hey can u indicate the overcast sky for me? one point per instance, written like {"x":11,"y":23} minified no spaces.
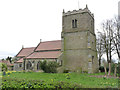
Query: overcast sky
{"x":25,"y":22}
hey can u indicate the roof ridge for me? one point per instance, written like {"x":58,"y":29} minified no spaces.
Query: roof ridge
{"x":28,"y":47}
{"x":25,"y":51}
{"x":44,"y":42}
{"x":51,"y":41}
{"x":36,"y":47}
{"x":19,"y":52}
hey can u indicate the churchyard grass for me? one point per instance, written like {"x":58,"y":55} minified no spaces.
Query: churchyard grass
{"x":53,"y":80}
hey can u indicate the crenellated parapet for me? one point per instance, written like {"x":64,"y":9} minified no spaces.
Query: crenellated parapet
{"x":80,"y":11}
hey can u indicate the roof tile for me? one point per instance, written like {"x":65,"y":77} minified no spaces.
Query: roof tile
{"x":45,"y":55}
{"x":19,"y":61}
{"x":49,"y":45}
{"x":25,"y":52}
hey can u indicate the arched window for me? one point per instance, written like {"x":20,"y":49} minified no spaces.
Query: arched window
{"x":29,"y":65}
{"x":38,"y":66}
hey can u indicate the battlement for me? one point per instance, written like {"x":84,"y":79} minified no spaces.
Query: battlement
{"x":78,"y":11}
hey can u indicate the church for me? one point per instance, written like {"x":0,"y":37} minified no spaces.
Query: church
{"x":76,"y":51}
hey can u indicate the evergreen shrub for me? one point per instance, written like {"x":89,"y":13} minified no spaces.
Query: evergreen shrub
{"x":49,"y":67}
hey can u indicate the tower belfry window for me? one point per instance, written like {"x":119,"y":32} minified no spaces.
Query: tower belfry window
{"x":74,"y":23}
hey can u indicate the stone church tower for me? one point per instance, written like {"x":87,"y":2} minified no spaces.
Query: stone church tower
{"x":79,"y":41}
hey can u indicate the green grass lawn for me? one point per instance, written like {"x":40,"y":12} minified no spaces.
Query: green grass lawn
{"x":84,"y":80}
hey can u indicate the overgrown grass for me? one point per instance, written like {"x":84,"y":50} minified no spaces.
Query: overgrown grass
{"x":82,"y":80}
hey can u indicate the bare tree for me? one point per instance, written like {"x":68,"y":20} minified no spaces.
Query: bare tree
{"x":115,"y":70}
{"x":108,"y":41}
{"x":105,"y":65}
{"x":9,"y":59}
{"x":116,"y":36}
{"x":99,"y":46}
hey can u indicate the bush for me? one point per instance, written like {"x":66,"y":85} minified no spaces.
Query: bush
{"x":50,"y":67}
{"x":101,"y":68}
{"x":4,"y":67}
{"x":43,"y":66}
{"x":85,"y":71}
{"x":32,"y":84}
{"x":113,"y":68}
{"x":66,"y":71}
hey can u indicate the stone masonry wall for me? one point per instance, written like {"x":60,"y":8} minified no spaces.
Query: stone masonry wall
{"x":79,"y":44}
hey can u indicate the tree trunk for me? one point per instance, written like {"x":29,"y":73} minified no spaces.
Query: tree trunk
{"x":118,"y":53}
{"x":109,"y":69}
{"x":115,"y":70}
{"x":99,"y":62}
{"x":105,"y":70}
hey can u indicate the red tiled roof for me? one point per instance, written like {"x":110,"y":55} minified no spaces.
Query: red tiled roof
{"x":19,"y":61}
{"x":25,"y":52}
{"x":46,"y":54}
{"x":10,"y":64}
{"x":49,"y":45}
{"x":6,"y":62}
